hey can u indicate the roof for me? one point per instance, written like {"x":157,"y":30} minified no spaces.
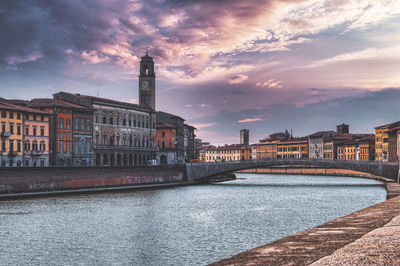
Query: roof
{"x":47,"y":102}
{"x":292,"y":140}
{"x":389,"y":126}
{"x":87,"y":100}
{"x":170,"y":115}
{"x":164,"y":125}
{"x":322,"y":134}
{"x":190,"y":126}
{"x":14,"y":107}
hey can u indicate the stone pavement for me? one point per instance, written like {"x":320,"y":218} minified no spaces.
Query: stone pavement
{"x":369,"y":236}
{"x":379,"y":247}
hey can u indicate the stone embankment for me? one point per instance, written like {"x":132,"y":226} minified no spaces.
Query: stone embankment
{"x":367,"y":237}
{"x":32,"y":180}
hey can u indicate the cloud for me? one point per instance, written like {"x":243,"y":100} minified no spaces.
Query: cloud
{"x":203,"y":125}
{"x":13,"y":60}
{"x":271,"y":83}
{"x":250,"y":120}
{"x":237,"y":79}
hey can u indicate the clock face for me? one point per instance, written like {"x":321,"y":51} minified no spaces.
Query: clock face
{"x":145,"y":84}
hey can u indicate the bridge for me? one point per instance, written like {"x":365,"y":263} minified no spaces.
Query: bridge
{"x":203,"y":171}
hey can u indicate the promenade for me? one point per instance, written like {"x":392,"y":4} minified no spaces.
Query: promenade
{"x":369,"y":236}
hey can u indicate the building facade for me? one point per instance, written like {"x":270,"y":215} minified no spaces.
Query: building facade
{"x":235,"y":152}
{"x":316,"y":143}
{"x":295,"y":148}
{"x":11,"y":120}
{"x":166,"y":144}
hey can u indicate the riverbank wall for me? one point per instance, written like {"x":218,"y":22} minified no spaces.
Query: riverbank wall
{"x":308,"y":171}
{"x":28,"y":180}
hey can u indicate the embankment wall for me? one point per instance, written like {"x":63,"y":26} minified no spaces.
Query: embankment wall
{"x":20,"y":180}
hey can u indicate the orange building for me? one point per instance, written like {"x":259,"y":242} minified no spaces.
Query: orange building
{"x":61,"y":145}
{"x":268,"y":148}
{"x":166,"y":143}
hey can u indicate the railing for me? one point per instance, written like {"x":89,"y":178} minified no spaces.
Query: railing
{"x":123,"y":147}
{"x":5,"y":134}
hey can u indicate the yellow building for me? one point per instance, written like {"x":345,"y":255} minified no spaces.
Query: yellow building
{"x":296,"y":148}
{"x":268,"y":148}
{"x":11,"y":120}
{"x":226,"y":153}
{"x":382,"y":144}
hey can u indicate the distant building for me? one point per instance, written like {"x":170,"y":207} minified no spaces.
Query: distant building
{"x":342,"y":129}
{"x":293,"y":148}
{"x":235,"y":152}
{"x":244,"y":136}
{"x":316,"y":143}
{"x":166,"y":144}
{"x":386,"y":142}
{"x":267,"y":148}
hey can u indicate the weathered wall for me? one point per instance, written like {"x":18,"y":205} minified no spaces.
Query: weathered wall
{"x":49,"y":179}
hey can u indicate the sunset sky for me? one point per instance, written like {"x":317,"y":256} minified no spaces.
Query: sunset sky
{"x":222,"y":65}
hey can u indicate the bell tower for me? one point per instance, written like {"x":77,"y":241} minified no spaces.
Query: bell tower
{"x":147,"y":83}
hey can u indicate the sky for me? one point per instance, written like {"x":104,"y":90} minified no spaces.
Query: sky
{"x":263,"y":65}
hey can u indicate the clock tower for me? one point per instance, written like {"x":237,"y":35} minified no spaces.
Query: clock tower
{"x":147,"y":83}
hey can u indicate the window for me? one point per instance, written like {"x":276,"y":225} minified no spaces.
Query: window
{"x":118,"y":139}
{"x":111,"y":140}
{"x":130,"y":122}
{"x":18,"y":129}
{"x":34,"y":117}
{"x":104,"y":139}
{"x":3,"y":114}
{"x":88,"y":125}
{"x":12,"y":128}
{"x":68,"y":146}
{"x":124,"y":122}
{"x":42,"y":117}
{"x":26,"y":130}
{"x":96,"y":119}
{"x":104,"y":120}
{"x":97,"y":138}
{"x":34,"y":145}
{"x":111,"y":120}
{"x":34,"y":130}
{"x":83,"y":146}
{"x":18,"y":116}
{"x":134,"y":122}
{"x":27,"y":145}
{"x":76,"y":146}
{"x":163,"y":134}
{"x":3,"y":145}
{"x":61,"y":146}
{"x":82,"y":124}
{"x":42,"y":131}
{"x":68,"y":123}
{"x":61,"y":123}
{"x":18,"y":146}
{"x":76,"y":123}
{"x":117,"y":121}
{"x":3,"y":127}
{"x":12,"y":115}
{"x":11,"y":145}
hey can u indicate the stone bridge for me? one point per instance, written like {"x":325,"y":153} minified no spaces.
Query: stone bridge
{"x":202,"y":171}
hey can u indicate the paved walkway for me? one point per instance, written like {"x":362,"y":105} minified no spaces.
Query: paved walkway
{"x":369,"y":236}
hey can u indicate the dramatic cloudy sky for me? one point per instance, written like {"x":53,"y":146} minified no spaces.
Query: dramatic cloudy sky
{"x":265,"y":65}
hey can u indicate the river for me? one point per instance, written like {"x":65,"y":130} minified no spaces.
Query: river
{"x":192,"y":225}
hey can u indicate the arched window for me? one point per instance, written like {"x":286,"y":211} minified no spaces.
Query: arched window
{"x":27,"y":145}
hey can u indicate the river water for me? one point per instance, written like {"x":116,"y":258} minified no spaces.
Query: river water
{"x":192,"y":225}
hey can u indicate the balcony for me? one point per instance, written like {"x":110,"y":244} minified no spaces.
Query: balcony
{"x":5,"y":134}
{"x":122,"y":148}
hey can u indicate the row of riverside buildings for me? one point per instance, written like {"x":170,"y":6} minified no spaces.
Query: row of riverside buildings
{"x":329,"y":145}
{"x":79,"y":130}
